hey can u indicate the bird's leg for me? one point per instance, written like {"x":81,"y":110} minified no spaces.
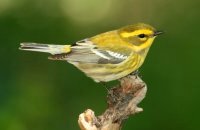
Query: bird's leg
{"x":136,"y":72}
{"x":105,"y":86}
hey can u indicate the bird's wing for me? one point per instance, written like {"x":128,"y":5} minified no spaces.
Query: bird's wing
{"x":86,"y":51}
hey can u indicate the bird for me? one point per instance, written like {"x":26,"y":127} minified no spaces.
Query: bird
{"x":107,"y":56}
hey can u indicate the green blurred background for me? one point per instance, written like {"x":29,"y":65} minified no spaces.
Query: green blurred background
{"x":39,"y":94}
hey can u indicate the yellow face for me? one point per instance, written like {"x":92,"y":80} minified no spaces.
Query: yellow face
{"x":141,"y":36}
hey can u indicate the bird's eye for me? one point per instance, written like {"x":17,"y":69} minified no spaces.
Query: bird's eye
{"x":141,"y":35}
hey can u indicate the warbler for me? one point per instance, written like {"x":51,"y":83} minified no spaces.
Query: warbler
{"x":107,"y":56}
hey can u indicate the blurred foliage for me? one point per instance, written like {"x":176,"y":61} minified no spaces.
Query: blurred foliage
{"x":38,"y":94}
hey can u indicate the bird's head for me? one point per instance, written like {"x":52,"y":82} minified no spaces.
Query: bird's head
{"x":140,"y":35}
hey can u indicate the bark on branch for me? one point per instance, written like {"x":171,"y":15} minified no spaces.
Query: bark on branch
{"x":122,"y":102}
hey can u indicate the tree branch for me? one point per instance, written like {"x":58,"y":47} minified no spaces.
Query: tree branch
{"x":122,"y":102}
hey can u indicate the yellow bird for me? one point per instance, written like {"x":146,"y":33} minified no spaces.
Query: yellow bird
{"x":107,"y":56}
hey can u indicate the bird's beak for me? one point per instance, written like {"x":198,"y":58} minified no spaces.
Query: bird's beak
{"x":156,"y":33}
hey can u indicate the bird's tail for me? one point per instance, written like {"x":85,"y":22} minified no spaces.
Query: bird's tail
{"x":47,"y":48}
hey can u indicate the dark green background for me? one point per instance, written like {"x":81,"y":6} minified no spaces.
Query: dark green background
{"x":39,"y":94}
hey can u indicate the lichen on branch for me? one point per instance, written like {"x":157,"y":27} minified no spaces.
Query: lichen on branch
{"x":122,"y":102}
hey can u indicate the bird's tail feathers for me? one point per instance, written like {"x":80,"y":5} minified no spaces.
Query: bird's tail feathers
{"x":47,"y":48}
